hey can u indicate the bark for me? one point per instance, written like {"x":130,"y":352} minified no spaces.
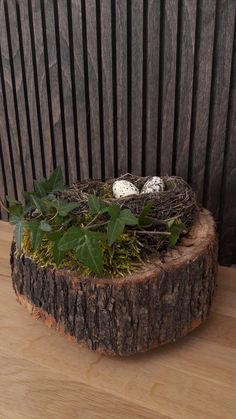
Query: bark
{"x":162,"y":302}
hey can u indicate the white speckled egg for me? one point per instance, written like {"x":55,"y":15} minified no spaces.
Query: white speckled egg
{"x":122,"y":188}
{"x":153,"y":185}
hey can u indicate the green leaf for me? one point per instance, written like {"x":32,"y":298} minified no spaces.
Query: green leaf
{"x":27,"y":195}
{"x":16,"y":209}
{"x":12,"y":201}
{"x":70,"y":239}
{"x":96,"y":205}
{"x":55,"y":236}
{"x":90,"y":253}
{"x":45,"y":226}
{"x":41,"y":187}
{"x":14,"y":219}
{"x":56,"y":182}
{"x":19,"y":233}
{"x":173,"y":238}
{"x":114,"y":211}
{"x":65,"y":208}
{"x":36,"y":234}
{"x":114,"y":229}
{"x":37,"y":202}
{"x":143,"y":220}
{"x":128,"y":218}
{"x":57,"y":253}
{"x":175,"y":227}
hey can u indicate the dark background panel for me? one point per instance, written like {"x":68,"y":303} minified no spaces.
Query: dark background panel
{"x":103,"y":87}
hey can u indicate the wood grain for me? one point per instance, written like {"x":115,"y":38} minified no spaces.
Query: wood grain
{"x":87,"y":385}
{"x":152,"y":87}
{"x":168,"y":80}
{"x":201,"y":100}
{"x":219,"y":107}
{"x":93,"y":87}
{"x":80,"y":89}
{"x":107,"y":85}
{"x":183,"y":111}
{"x":228,"y":189}
{"x":136,"y":85}
{"x":121,"y":57}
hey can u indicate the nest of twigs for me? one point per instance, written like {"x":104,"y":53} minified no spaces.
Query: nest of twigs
{"x":176,"y":201}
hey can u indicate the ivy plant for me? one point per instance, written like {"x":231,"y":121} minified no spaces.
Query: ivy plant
{"x":44,"y":216}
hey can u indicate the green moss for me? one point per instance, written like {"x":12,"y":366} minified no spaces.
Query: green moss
{"x":106,"y":191}
{"x":122,"y":258}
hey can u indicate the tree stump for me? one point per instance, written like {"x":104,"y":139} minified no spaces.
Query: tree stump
{"x":158,"y":304}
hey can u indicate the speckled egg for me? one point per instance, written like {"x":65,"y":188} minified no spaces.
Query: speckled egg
{"x":122,"y":188}
{"x":153,"y":185}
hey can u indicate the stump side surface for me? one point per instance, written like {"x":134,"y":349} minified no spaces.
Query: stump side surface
{"x":162,"y":302}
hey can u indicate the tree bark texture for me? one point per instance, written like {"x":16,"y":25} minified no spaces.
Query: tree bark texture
{"x":160,"y":303}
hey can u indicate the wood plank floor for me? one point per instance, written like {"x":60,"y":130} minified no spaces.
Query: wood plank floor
{"x":42,"y":375}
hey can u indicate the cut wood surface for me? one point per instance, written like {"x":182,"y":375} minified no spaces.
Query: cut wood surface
{"x":45,"y":376}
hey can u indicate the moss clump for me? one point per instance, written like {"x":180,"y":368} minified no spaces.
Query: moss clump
{"x":120,"y":259}
{"x":106,"y":191}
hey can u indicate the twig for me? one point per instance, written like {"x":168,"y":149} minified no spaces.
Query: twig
{"x":164,"y":233}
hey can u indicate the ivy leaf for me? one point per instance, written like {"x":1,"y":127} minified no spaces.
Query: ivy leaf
{"x":57,"y":253}
{"x":175,"y":227}
{"x":55,"y":236}
{"x":89,"y":252}
{"x":96,"y":205}
{"x":41,"y":187}
{"x":70,"y":239}
{"x":14,"y":219}
{"x":173,"y":238}
{"x":37,"y":202}
{"x":16,"y":209}
{"x":56,"y":182}
{"x":114,"y":211}
{"x":128,"y":218}
{"x":36,"y":234}
{"x":143,"y":220}
{"x":114,"y":229}
{"x":119,"y":218}
{"x":65,"y":208}
{"x":12,"y":201}
{"x":19,"y":229}
{"x":27,"y":195}
{"x":45,"y":226}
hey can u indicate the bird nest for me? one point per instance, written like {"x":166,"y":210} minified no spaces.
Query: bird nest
{"x":177,"y":201}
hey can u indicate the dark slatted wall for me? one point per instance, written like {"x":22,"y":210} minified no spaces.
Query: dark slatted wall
{"x":103,"y":87}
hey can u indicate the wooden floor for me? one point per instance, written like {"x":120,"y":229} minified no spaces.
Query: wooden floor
{"x":42,"y":375}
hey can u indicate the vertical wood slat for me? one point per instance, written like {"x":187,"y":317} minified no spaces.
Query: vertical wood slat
{"x":80,"y":88}
{"x":219,"y":104}
{"x":228,"y":189}
{"x":102,"y":87}
{"x":136,"y":85}
{"x":201,"y":99}
{"x":9,"y":91}
{"x":167,"y":87}
{"x":107,"y":77}
{"x":41,"y":119}
{"x":30,"y":129}
{"x":47,"y":10}
{"x":122,"y":85}
{"x":184,"y":83}
{"x":152,"y":86}
{"x":91,"y":22}
{"x":66,"y":90}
